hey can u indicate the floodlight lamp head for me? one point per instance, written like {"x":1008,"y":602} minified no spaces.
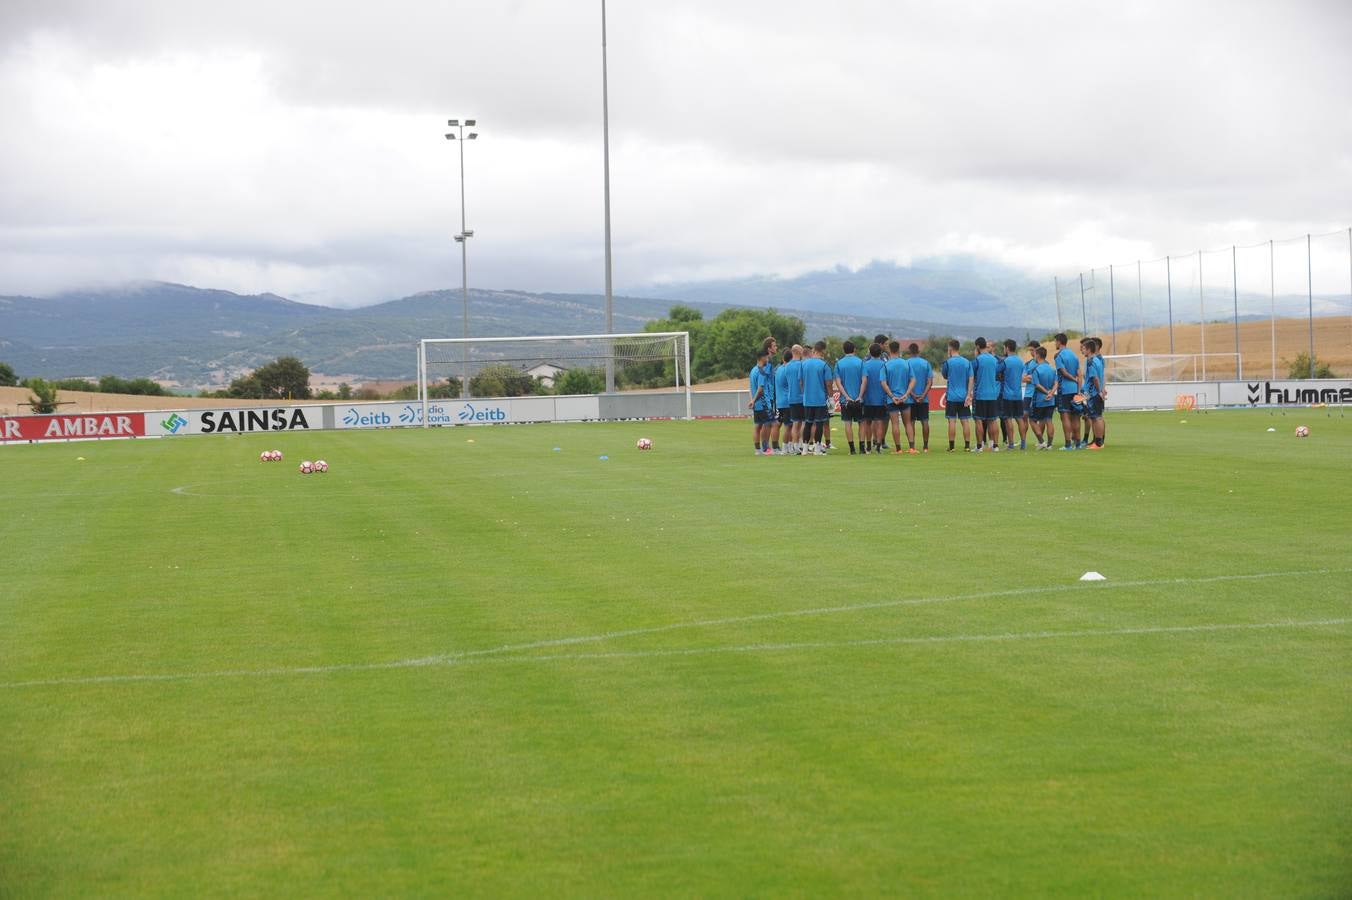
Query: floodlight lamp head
{"x":453,"y":122}
{"x":469,"y":232}
{"x":450,"y":137}
{"x":469,"y":123}
{"x":459,"y":238}
{"x":471,"y":136}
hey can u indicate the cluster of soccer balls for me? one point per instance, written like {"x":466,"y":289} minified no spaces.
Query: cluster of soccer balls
{"x":1302,"y":431}
{"x":644,"y":444}
{"x":270,"y":456}
{"x":318,"y":465}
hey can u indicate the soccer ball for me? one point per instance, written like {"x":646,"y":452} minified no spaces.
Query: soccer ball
{"x":1302,"y":431}
{"x":645,"y":444}
{"x":321,"y":466}
{"x":265,"y":456}
{"x":277,"y":455}
{"x":307,"y":467}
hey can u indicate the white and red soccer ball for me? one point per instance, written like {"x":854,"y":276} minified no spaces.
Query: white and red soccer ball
{"x":644,"y":444}
{"x":1302,"y":431}
{"x":306,"y":467}
{"x":321,"y":466}
{"x":270,"y":456}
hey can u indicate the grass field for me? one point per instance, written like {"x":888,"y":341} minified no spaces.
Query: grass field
{"x":493,"y":667}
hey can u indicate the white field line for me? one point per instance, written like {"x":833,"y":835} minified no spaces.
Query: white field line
{"x":513,"y":651}
{"x":684,"y":651}
{"x":884,"y":604}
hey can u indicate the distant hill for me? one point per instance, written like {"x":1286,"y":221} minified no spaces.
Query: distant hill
{"x":197,"y":337}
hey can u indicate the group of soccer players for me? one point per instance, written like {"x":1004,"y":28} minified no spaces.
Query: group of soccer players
{"x":794,"y":397}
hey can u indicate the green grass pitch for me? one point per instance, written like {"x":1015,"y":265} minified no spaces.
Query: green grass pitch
{"x":464,"y":662}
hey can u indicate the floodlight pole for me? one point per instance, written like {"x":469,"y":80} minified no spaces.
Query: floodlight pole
{"x":1309,"y":286}
{"x":463,"y":240}
{"x":605,"y":139}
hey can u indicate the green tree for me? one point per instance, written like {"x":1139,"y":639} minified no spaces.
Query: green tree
{"x":245,"y":387}
{"x":580,"y":381}
{"x":935,"y":349}
{"x":7,"y":376}
{"x":76,"y":384}
{"x":344,"y":391}
{"x":684,"y":314}
{"x":286,"y":377}
{"x":501,"y":380}
{"x":42,"y":397}
{"x":1300,"y":367}
{"x":444,"y":390}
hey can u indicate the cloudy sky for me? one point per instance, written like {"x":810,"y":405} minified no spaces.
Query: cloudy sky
{"x":296,"y":147}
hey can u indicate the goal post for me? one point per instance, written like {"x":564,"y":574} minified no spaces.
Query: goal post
{"x":560,"y":364}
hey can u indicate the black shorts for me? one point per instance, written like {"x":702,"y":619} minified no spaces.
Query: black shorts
{"x":814,"y":414}
{"x":1040,"y":414}
{"x":1066,"y":403}
{"x":796,"y":412}
{"x":762,"y":416}
{"x":875,"y":413}
{"x":920,"y":411}
{"x":851,"y":411}
{"x":986,"y":409}
{"x":956,"y":409}
{"x":1027,"y":406}
{"x":1011,"y":409}
{"x":784,"y":415}
{"x":1093,"y":408}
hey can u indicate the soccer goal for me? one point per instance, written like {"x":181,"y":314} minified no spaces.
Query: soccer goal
{"x":1147,"y":367}
{"x":561,"y":364}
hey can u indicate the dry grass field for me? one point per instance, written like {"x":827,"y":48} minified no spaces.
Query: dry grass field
{"x":1332,"y":344}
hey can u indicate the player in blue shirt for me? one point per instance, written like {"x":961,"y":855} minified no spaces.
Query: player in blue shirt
{"x":1043,"y":381}
{"x":1095,"y":391}
{"x":1067,"y":366}
{"x":875,"y":401}
{"x":985,"y":396}
{"x":1011,"y":397}
{"x":958,"y":398}
{"x":816,"y":395}
{"x":762,"y":401}
{"x":917,"y":396}
{"x":849,"y":382}
{"x":896,"y":379}
{"x":1028,"y":366}
{"x":795,"y":379}
{"x":783,"y":423}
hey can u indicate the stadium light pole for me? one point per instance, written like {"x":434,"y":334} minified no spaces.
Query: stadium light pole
{"x":463,"y":240}
{"x":605,"y":142}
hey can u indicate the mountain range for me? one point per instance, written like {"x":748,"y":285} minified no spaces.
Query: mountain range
{"x":198,"y":337}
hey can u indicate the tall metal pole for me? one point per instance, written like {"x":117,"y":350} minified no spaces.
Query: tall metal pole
{"x":1272,"y":288}
{"x":1169,"y":285}
{"x":464,"y":272}
{"x":1112,"y":306}
{"x":1056,"y":286}
{"x":1234,"y":282}
{"x":1309,"y":287}
{"x":1140,"y":309}
{"x":605,"y":137}
{"x":1201,"y":306}
{"x":1084,"y":316}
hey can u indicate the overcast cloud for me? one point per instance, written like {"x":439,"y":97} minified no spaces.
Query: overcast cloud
{"x":297,"y":147}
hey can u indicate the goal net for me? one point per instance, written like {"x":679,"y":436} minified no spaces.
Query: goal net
{"x":569,"y":364}
{"x":1142,"y":367}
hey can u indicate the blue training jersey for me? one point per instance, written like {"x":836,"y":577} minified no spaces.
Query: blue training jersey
{"x":957,"y":370}
{"x":1028,"y":367}
{"x":1093,"y":368}
{"x":782,"y":387}
{"x":795,"y":376}
{"x":1067,"y":360}
{"x":923,"y":373}
{"x":850,"y":372}
{"x":985,"y":369}
{"x":873,"y":391}
{"x":756,"y":383}
{"x":1044,"y":375}
{"x":768,"y":379}
{"x":816,"y":378}
{"x":898,"y":375}
{"x":1011,"y":378}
